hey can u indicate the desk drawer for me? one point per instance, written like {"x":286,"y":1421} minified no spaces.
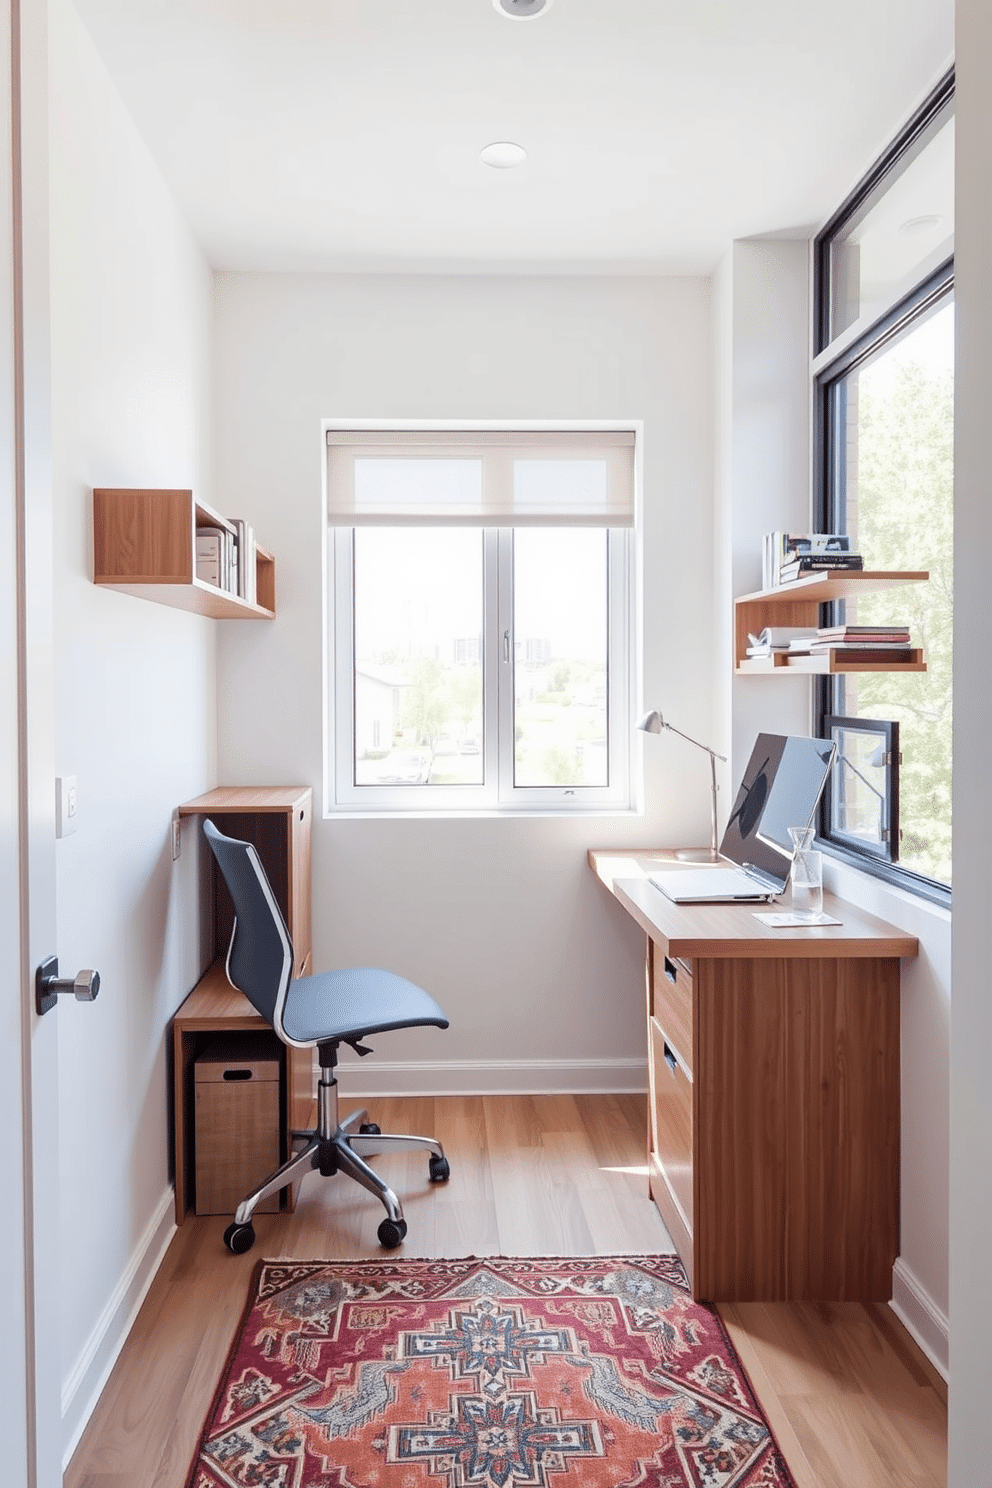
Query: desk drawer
{"x":671,"y":1119}
{"x":671,"y":1003}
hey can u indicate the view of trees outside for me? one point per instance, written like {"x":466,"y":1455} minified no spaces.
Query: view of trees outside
{"x":418,"y":657}
{"x":900,"y":516}
{"x":560,"y":625}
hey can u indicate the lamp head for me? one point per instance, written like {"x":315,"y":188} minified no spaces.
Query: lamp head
{"x":652,"y":723}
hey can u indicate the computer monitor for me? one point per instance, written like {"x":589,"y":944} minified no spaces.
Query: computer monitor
{"x":780,"y":788}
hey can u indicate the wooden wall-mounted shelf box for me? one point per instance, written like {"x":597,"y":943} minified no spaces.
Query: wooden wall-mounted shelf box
{"x":798,"y":603}
{"x":144,"y":543}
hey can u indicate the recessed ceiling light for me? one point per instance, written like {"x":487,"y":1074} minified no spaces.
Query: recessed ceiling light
{"x":503,"y":155}
{"x":521,"y":10}
{"x":913,"y":226}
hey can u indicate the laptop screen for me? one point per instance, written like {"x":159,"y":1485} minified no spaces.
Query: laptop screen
{"x":781,"y":786}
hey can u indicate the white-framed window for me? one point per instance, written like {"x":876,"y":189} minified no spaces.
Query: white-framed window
{"x":480,"y":609}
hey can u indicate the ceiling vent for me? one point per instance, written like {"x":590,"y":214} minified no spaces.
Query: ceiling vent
{"x":521,"y":10}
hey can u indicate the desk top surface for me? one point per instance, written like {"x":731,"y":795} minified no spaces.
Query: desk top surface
{"x":695,"y":930}
{"x":248,"y":798}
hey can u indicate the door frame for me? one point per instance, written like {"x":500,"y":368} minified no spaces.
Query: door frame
{"x":31,"y":1372}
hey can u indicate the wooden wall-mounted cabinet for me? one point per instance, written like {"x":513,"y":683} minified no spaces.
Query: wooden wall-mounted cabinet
{"x":144,"y":542}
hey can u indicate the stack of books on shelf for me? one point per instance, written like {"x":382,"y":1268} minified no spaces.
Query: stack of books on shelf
{"x":863,"y":643}
{"x":225,"y":557}
{"x":792,"y":555}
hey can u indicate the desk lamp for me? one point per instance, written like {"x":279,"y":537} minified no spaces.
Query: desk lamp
{"x":653,"y":723}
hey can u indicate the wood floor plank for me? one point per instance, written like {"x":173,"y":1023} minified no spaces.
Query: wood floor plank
{"x":852,"y":1401}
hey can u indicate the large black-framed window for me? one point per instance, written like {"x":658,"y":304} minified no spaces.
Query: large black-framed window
{"x":883,"y":469}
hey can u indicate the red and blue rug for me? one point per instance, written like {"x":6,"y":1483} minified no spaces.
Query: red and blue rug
{"x":495,"y":1373}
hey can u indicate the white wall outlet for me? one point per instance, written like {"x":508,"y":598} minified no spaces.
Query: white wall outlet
{"x":65,"y":805}
{"x":177,"y":838}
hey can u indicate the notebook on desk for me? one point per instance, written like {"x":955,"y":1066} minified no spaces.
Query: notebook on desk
{"x":781,"y":788}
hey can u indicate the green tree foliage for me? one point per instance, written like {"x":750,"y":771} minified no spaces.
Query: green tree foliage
{"x":425,"y":705}
{"x":904,"y":520}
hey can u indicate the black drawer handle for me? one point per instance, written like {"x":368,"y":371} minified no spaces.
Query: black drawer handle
{"x":670,"y":970}
{"x":670,"y":1059}
{"x":238,"y":1074}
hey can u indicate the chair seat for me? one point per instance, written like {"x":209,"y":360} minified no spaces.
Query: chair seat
{"x":351,"y":1003}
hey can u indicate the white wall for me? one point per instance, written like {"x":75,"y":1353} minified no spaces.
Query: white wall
{"x":761,"y":389}
{"x":540,"y":972}
{"x":971,"y":1027}
{"x":135,"y":693}
{"x":761,"y":328}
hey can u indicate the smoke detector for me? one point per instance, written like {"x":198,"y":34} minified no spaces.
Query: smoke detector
{"x":521,"y":10}
{"x":503,"y":155}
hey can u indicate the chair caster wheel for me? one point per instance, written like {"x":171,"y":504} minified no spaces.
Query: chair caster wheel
{"x":440,"y":1170}
{"x":369,"y":1129}
{"x":239,"y":1237}
{"x":391,"y":1232}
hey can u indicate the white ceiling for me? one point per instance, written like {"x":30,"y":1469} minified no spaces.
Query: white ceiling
{"x":345,"y":134}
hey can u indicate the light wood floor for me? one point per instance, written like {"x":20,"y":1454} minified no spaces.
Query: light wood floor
{"x":852,"y":1401}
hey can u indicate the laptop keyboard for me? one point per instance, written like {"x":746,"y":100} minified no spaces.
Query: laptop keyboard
{"x":709,"y":883}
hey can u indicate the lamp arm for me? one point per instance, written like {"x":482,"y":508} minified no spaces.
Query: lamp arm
{"x":711,"y":752}
{"x":714,"y":853}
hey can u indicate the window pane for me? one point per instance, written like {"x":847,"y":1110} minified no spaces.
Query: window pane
{"x":418,"y":656}
{"x":560,"y":649}
{"x":896,"y":425}
{"x":896,"y":229}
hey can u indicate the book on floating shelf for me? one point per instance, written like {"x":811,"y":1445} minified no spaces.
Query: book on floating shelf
{"x":820,"y":563}
{"x":874,"y":634}
{"x":890,"y":641}
{"x":782,"y":548}
{"x":209,"y":555}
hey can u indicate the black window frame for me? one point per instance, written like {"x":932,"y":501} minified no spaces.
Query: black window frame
{"x":849,"y":208}
{"x":887,"y":850}
{"x":828,"y":490}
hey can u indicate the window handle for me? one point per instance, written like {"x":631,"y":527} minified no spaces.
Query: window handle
{"x":506,"y":646}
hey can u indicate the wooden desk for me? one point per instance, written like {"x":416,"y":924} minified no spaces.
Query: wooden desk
{"x":277,"y":819}
{"x":773,"y":1055}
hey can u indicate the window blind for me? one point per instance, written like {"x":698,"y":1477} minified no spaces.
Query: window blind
{"x":480,"y":477}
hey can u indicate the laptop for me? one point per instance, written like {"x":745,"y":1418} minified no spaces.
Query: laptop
{"x":781,"y":788}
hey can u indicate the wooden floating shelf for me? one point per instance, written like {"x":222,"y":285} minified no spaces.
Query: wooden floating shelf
{"x":830,"y":661}
{"x":798,"y":603}
{"x":834,"y":583}
{"x":144,"y":543}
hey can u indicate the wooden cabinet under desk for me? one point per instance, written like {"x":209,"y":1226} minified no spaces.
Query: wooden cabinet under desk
{"x":773,"y":1055}
{"x":278,"y":821}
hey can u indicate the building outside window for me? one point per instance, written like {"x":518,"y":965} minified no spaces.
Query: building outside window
{"x":884,"y":408}
{"x":486,"y":576}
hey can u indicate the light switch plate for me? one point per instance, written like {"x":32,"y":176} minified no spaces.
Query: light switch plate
{"x":65,"y":805}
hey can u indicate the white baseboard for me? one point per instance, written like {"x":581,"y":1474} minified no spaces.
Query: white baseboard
{"x":87,"y":1377}
{"x":378,"y":1077}
{"x":920,"y":1316}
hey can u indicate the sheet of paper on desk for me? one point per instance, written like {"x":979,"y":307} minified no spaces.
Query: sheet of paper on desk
{"x":786,"y":918}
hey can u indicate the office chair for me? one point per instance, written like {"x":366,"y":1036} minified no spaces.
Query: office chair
{"x":332,"y":1008}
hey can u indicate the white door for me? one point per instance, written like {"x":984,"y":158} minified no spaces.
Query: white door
{"x":30,"y":1371}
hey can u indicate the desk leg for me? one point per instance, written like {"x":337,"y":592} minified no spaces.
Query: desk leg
{"x":183,"y":1049}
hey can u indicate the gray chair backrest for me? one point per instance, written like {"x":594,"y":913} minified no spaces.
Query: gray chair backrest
{"x":260,"y":956}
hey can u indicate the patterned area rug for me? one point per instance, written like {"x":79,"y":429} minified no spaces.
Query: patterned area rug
{"x":496,"y":1373}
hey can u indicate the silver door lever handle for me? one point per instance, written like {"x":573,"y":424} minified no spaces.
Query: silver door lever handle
{"x":49,"y":986}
